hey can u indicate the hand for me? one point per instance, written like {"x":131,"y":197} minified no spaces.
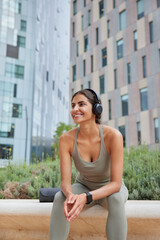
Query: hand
{"x":74,"y":205}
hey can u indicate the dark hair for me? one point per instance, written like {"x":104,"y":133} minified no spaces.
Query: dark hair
{"x":92,"y":99}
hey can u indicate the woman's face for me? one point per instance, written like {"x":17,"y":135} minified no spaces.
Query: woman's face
{"x":81,"y":109}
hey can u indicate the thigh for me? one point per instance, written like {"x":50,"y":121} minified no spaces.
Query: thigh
{"x":79,"y":188}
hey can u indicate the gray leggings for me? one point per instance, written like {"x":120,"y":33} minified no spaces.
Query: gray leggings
{"x":116,"y":227}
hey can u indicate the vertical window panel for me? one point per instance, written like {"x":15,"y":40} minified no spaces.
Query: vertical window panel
{"x":144,"y":99}
{"x":122,"y":20}
{"x":102,"y":87}
{"x":156,"y":130}
{"x":120,"y":49}
{"x":124,"y":100}
{"x":104,"y":57}
{"x":151,"y":32}
{"x":140,"y":9}
{"x":135,"y":41}
{"x":139,"y":132}
{"x":123,"y":132}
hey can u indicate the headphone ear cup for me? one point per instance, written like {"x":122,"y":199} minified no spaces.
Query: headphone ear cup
{"x":97,"y":109}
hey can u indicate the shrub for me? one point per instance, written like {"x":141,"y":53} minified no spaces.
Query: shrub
{"x":142,"y":173}
{"x":141,"y":176}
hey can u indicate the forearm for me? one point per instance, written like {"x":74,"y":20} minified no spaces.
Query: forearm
{"x":66,"y":188}
{"x":106,"y":190}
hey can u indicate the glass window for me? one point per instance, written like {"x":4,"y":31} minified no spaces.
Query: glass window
{"x":84,"y":67}
{"x":129,"y":72}
{"x":109,"y":109}
{"x":47,"y":76}
{"x":53,"y":85}
{"x":86,"y":43}
{"x":104,"y":57}
{"x":77,"y":48}
{"x":115,"y":78}
{"x":73,"y":29}
{"x":123,"y":132}
{"x":135,"y":40}
{"x":140,"y":9}
{"x":21,"y":41}
{"x":91,"y":63}
{"x":15,"y":90}
{"x":8,"y":89}
{"x":108,"y":28}
{"x":89,"y":84}
{"x":144,"y":66}
{"x":151,"y":32}
{"x":101,"y":79}
{"x":122,"y":20}
{"x":114,"y":3}
{"x":81,"y":86}
{"x":89,"y":17}
{"x":101,"y":8}
{"x":7,"y":130}
{"x":6,"y":151}
{"x":19,"y":71}
{"x":82,"y":22}
{"x":158,"y":3}
{"x":12,"y":110}
{"x":84,"y":3}
{"x":23,"y":25}
{"x":124,"y":100}
{"x":139,"y":132}
{"x":120,"y":49}
{"x":74,"y":73}
{"x":144,"y":99}
{"x":16,"y":110}
{"x":97,"y":35}
{"x":19,"y":7}
{"x":16,"y":71}
{"x":74,"y":7}
{"x":156,"y":130}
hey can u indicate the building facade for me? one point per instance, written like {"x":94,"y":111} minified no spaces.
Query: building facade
{"x":115,"y":50}
{"x":34,"y":77}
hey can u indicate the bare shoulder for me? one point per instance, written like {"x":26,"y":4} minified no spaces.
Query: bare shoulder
{"x":110,"y":132}
{"x":66,"y":140}
{"x":111,"y":136}
{"x":69,"y":135}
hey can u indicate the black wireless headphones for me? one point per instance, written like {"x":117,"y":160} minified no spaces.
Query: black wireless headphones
{"x":97,"y":107}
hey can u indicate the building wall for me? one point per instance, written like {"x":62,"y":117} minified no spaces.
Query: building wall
{"x":33,"y":100}
{"x":108,"y":38}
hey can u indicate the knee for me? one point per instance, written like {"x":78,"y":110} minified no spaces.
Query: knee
{"x":115,"y":200}
{"x":59,"y":198}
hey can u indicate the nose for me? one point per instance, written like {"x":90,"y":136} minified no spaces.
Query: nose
{"x":76,"y":107}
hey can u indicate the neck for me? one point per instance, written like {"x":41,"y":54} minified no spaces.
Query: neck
{"x":89,"y":129}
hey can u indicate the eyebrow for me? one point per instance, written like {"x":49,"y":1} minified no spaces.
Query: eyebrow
{"x":79,"y":102}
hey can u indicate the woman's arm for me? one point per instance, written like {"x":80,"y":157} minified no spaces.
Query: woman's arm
{"x":65,"y":165}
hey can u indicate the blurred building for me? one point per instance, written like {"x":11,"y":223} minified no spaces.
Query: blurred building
{"x":34,"y":76}
{"x":116,"y":51}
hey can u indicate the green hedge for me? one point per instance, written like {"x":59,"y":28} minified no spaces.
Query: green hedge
{"x":141,"y":176}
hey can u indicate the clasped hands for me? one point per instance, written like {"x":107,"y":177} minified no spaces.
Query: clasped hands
{"x":73,"y":205}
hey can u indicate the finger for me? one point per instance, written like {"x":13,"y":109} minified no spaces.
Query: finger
{"x":75,"y":214}
{"x":72,"y":199}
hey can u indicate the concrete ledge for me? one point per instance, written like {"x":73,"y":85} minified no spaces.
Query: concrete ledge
{"x":29,"y":220}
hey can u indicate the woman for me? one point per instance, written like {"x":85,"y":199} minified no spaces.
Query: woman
{"x":98,"y":156}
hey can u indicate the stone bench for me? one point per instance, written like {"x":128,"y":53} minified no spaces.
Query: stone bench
{"x":29,"y":220}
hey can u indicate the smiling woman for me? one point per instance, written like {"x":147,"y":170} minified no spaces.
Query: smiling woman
{"x":97,"y":151}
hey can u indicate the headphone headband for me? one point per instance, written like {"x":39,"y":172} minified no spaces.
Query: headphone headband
{"x":92,"y":91}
